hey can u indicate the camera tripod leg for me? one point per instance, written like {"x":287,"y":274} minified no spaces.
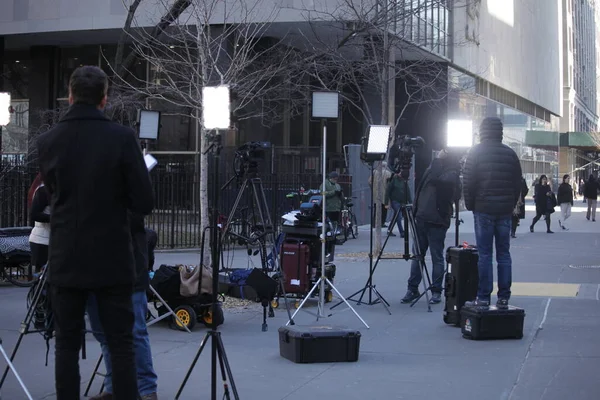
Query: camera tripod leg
{"x":315,"y":286}
{"x":345,"y":301}
{"x":224,"y":362}
{"x":27,"y":321}
{"x":189,"y":371}
{"x":419,"y":256}
{"x":13,"y":369}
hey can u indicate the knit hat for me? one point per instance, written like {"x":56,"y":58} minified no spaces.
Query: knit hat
{"x":333,"y":175}
{"x":491,"y":129}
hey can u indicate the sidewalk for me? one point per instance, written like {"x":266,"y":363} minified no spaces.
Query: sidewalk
{"x":411,"y":354}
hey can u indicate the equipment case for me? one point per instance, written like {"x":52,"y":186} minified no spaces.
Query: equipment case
{"x":480,"y":323}
{"x":318,"y":344}
{"x":462,"y":280}
{"x":295,"y":259}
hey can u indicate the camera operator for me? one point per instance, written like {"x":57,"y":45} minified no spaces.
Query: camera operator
{"x":333,"y":198}
{"x":435,"y":196}
{"x":95,"y":173}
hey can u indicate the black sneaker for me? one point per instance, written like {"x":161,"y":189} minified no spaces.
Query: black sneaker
{"x":502,"y":304}
{"x":410,"y":296}
{"x":392,"y":234}
{"x":436,"y":298}
{"x":477,"y":303}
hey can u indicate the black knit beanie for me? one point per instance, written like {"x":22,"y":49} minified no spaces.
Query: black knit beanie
{"x":491,"y":128}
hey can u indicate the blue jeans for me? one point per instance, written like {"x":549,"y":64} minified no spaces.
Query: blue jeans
{"x":397,"y":207}
{"x":146,"y":377}
{"x":488,"y":228}
{"x":430,"y":237}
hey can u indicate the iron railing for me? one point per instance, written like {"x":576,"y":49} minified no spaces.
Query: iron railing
{"x":176,"y":183}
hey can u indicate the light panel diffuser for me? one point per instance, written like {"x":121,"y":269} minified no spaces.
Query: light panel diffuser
{"x":216,"y":107}
{"x":379,"y":139}
{"x":325,"y":104}
{"x":460,"y":133}
{"x":4,"y":108}
{"x":149,"y":124}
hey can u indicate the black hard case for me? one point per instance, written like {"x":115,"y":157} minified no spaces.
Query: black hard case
{"x":318,"y":344}
{"x":462,"y":280}
{"x":479,"y":323}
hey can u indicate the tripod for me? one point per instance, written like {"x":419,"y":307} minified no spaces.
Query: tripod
{"x":263,"y":231}
{"x":369,"y":285}
{"x":26,"y":323}
{"x":323,"y":280}
{"x":457,"y":222}
{"x":12,"y":368}
{"x":218,"y":349}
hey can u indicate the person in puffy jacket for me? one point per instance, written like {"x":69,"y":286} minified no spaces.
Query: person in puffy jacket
{"x":565,"y":200}
{"x":591,"y":194}
{"x":544,"y":204}
{"x":40,"y":221}
{"x":492,"y":187}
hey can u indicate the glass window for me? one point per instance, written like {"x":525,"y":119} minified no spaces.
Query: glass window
{"x":15,"y":71}
{"x":70,"y":59}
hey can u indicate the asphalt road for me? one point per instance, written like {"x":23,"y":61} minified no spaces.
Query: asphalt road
{"x":410,"y":354}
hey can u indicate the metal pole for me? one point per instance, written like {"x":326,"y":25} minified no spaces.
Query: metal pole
{"x":321,"y":311}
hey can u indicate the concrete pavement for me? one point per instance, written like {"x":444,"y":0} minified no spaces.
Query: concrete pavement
{"x":410,"y":354}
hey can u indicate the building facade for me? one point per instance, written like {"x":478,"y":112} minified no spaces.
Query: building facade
{"x":489,"y":51}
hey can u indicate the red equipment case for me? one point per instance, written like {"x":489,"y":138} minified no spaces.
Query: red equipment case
{"x":295,"y":258}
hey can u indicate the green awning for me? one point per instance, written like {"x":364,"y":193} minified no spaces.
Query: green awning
{"x":581,"y":140}
{"x":542,"y":139}
{"x":550,"y":140}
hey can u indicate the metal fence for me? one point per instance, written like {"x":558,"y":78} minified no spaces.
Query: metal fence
{"x":176,"y":183}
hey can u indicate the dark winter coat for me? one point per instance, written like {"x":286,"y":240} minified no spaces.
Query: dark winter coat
{"x":139,"y":241}
{"x":591,"y":189}
{"x":396,"y":191}
{"x":565,"y":194}
{"x":544,"y":204}
{"x":492,"y":175}
{"x":437,"y":192}
{"x":95,"y":173}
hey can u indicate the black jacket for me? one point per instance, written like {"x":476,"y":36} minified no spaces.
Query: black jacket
{"x":590,"y":191}
{"x":565,"y":194}
{"x":41,"y":200}
{"x":437,"y":192}
{"x":492,"y":177}
{"x":95,"y":173}
{"x":543,"y":202}
{"x":140,"y":252}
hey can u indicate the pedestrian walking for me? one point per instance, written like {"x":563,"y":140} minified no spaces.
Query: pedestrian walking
{"x":591,"y":194}
{"x":545,"y":201}
{"x":565,"y":200}
{"x":397,"y":196}
{"x":519,"y":211}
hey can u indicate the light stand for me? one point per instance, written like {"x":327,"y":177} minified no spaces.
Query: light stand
{"x":377,"y":144}
{"x":12,"y":368}
{"x":215,"y":115}
{"x":324,"y":106}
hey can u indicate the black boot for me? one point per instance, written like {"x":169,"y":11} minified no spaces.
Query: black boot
{"x":548,"y":224}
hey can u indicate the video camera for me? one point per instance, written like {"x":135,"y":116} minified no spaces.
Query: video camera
{"x":401,"y":154}
{"x":248,"y":155}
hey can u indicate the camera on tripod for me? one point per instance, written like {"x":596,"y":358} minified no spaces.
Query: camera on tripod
{"x":248,"y":155}
{"x":401,"y":154}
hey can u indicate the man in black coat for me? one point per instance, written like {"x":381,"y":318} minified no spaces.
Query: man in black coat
{"x":95,"y":172}
{"x":435,"y":196}
{"x":492,"y":186}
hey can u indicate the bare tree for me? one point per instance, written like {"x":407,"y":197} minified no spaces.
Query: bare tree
{"x":361,"y":49}
{"x":205,"y":44}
